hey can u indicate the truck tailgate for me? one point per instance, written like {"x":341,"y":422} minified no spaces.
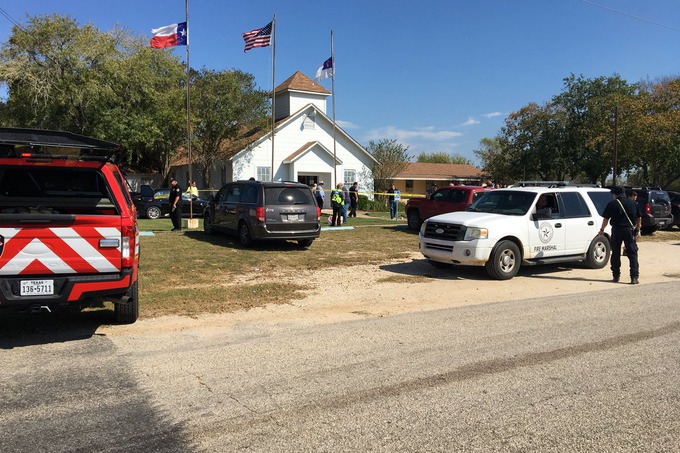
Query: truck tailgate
{"x":91,"y":245}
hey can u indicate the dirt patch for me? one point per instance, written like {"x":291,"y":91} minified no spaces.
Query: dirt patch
{"x":409,"y":285}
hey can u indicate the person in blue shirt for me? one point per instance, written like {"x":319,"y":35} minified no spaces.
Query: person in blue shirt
{"x":623,"y":214}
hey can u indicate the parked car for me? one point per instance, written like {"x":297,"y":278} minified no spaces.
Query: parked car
{"x":655,"y":206}
{"x":68,"y":228}
{"x":509,"y":228}
{"x":675,"y":208}
{"x":259,"y":210}
{"x":154,"y":204}
{"x":446,"y":199}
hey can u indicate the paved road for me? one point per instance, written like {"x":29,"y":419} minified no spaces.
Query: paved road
{"x":595,"y":371}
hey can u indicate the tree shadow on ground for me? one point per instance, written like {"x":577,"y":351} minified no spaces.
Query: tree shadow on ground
{"x":19,"y":329}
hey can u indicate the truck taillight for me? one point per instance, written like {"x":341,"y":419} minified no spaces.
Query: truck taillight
{"x":648,"y":209}
{"x":318,"y":213}
{"x":259,"y":213}
{"x":128,"y":246}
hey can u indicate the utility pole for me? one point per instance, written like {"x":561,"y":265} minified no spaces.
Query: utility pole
{"x":616,"y":149}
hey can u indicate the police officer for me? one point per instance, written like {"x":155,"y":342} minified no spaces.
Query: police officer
{"x":624,"y":214}
{"x":175,"y":199}
{"x":338,"y":203}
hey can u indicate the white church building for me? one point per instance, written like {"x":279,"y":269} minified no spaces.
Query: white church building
{"x":304,"y":145}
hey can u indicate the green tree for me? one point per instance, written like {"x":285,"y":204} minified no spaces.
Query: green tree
{"x":392,"y":157}
{"x":107,"y":85}
{"x":223,"y":104}
{"x":497,"y":163}
{"x":443,"y":158}
{"x":653,"y":119}
{"x":589,"y":106}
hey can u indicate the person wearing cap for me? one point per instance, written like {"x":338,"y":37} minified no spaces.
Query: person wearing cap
{"x":319,"y":194}
{"x":623,"y":214}
{"x":175,"y":199}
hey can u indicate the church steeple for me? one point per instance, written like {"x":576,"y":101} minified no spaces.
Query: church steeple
{"x":296,"y":92}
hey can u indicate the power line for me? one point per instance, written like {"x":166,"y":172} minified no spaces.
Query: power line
{"x":10,"y":18}
{"x":630,"y":15}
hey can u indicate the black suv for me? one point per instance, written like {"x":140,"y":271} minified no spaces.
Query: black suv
{"x":675,"y":208}
{"x":258,"y":210}
{"x":655,"y":206}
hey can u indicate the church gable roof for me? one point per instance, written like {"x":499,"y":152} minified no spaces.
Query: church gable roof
{"x":300,"y":82}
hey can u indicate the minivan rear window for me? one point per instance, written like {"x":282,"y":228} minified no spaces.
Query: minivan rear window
{"x":288,"y":196}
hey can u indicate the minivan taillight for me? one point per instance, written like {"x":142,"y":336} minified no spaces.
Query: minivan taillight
{"x":128,"y":246}
{"x":259,"y":213}
{"x":318,"y":213}
{"x":648,"y":208}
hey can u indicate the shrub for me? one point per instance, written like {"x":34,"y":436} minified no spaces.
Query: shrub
{"x":365,"y":204}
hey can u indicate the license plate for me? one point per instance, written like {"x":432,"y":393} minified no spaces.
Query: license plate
{"x":37,"y":287}
{"x":295,"y":217}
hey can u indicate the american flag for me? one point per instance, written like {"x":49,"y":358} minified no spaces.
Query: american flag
{"x":260,"y":37}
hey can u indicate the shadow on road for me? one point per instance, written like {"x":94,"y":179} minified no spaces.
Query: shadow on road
{"x":24,"y":329}
{"x":421,"y":267}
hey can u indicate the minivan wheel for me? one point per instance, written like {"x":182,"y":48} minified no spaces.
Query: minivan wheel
{"x":153,"y":212}
{"x":598,"y":253}
{"x":305,"y":242}
{"x":207,"y":224}
{"x":244,"y":236}
{"x":504,"y":261}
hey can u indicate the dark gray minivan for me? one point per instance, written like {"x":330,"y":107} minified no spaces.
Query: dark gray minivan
{"x":261,"y":210}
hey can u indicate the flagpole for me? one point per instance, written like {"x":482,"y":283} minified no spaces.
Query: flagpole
{"x":273,"y":89}
{"x":191,"y":204}
{"x":335,"y":158}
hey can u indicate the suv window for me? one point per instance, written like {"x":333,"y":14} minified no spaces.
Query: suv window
{"x":600,"y":199}
{"x":287,"y":196}
{"x":574,"y":205}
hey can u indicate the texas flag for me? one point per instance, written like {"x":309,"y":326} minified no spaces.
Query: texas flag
{"x":169,"y":36}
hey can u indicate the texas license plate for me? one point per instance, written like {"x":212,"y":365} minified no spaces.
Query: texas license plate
{"x":37,"y":287}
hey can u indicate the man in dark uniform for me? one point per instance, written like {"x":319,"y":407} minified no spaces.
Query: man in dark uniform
{"x":624,"y":214}
{"x":175,"y":199}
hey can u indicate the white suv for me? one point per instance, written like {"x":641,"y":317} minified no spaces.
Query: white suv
{"x":504,"y":229}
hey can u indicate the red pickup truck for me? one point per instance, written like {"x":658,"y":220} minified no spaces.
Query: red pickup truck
{"x":68,"y":227}
{"x":446,"y":199}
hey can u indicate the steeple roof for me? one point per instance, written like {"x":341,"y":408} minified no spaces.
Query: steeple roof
{"x":300,"y":82}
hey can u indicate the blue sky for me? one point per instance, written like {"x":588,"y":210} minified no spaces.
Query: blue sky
{"x":436,"y":75}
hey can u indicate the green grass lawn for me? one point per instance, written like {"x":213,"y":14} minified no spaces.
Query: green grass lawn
{"x":190,"y":272}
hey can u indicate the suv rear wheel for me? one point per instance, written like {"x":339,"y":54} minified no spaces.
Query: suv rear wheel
{"x":598,"y":253}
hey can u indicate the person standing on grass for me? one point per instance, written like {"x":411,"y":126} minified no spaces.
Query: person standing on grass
{"x":345,"y":208}
{"x":175,"y":199}
{"x":319,"y":194}
{"x":624,"y":214}
{"x":338,"y":203}
{"x":353,"y":199}
{"x":392,"y":202}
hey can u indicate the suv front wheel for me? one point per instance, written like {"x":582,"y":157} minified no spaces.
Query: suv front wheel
{"x":504,"y":261}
